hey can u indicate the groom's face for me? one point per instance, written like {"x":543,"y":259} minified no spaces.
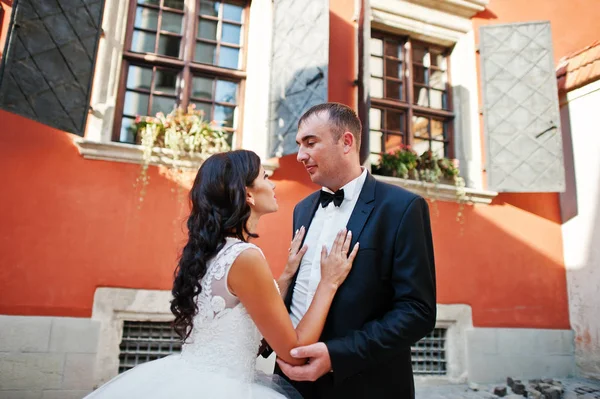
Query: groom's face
{"x":319,"y":151}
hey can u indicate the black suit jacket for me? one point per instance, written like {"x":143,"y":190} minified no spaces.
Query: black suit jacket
{"x":387,"y":302}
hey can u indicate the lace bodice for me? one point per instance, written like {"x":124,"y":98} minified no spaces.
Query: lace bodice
{"x":224,"y":338}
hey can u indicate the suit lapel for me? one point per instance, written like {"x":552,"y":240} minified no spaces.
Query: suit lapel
{"x":362,"y":209}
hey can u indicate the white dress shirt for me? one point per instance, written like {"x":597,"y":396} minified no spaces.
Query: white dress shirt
{"x":326,"y":223}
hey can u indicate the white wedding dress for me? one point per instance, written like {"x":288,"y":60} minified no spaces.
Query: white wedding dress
{"x":218,"y":359}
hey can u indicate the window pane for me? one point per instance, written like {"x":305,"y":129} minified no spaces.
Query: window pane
{"x":421,"y":96}
{"x":208,"y":7}
{"x":205,"y":108}
{"x":438,"y":148}
{"x":420,"y":74}
{"x":393,"y":49}
{"x":224,"y":115}
{"x":420,"y":146}
{"x":393,"y":142}
{"x":143,"y":42}
{"x":393,"y":69}
{"x":162,"y":104}
{"x":172,"y":22}
{"x":165,"y":81}
{"x":139,"y":78}
{"x":229,"y":57}
{"x":377,"y":87}
{"x":202,"y":87}
{"x":205,"y":53}
{"x":376,"y":46}
{"x":393,"y":90}
{"x":232,"y":12}
{"x":151,"y":2}
{"x":438,"y":60}
{"x":438,"y":80}
{"x":178,"y":4}
{"x":376,"y":66}
{"x":207,"y":29}
{"x":136,"y":104}
{"x":394,"y":121}
{"x":146,"y":18}
{"x":437,"y":129}
{"x":169,"y":45}
{"x":375,"y":119}
{"x":231,"y":33}
{"x":375,"y":141}
{"x":437,"y":99}
{"x":421,"y":126}
{"x":226,"y":92}
{"x":419,"y":54}
{"x":127,"y":134}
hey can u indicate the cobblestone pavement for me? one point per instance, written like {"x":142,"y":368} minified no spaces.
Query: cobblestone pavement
{"x":574,"y":388}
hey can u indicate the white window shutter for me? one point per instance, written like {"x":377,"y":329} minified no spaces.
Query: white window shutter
{"x":299,"y":68}
{"x":520,"y":109}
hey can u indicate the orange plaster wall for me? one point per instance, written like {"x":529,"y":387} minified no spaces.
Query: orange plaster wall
{"x":70,"y":225}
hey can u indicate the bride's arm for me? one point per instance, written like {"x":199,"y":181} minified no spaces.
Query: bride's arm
{"x":252,"y":282}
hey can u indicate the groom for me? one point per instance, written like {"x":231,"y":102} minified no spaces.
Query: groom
{"x":387,"y":303}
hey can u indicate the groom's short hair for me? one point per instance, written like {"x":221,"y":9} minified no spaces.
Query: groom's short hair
{"x":341,"y":118}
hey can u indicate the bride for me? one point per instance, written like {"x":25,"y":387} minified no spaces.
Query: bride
{"x":225,"y":298}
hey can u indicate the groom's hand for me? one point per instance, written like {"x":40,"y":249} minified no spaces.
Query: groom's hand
{"x":319,"y":363}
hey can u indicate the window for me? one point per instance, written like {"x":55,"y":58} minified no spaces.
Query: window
{"x":429,"y":354}
{"x":180,"y":53}
{"x":145,"y":341}
{"x":409,"y":96}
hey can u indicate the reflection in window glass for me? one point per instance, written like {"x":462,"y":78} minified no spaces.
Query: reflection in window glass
{"x":169,"y":45}
{"x":229,"y":57}
{"x":143,"y":42}
{"x":231,"y":33}
{"x":207,"y":29}
{"x":376,"y":87}
{"x":136,"y":104}
{"x":202,"y":87}
{"x":376,"y":66}
{"x":177,"y":4}
{"x":421,"y":126}
{"x":146,"y":18}
{"x":162,"y":104}
{"x":127,"y":133}
{"x":165,"y":81}
{"x":232,"y":12}
{"x":376,"y":47}
{"x":208,"y":7}
{"x":139,"y":77}
{"x":226,"y":91}
{"x":224,"y":115}
{"x":172,"y":22}
{"x":205,"y":108}
{"x":205,"y":53}
{"x":375,"y":119}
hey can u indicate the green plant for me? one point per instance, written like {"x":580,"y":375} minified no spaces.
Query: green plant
{"x":428,"y":167}
{"x":183,"y":133}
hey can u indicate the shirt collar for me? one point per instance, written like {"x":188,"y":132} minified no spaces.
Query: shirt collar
{"x":353,"y":187}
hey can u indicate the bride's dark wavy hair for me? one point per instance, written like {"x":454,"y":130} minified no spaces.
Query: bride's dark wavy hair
{"x":218,"y":209}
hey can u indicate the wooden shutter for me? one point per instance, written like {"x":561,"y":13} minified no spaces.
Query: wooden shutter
{"x":520,"y":108}
{"x":299,"y":68}
{"x":48,"y":67}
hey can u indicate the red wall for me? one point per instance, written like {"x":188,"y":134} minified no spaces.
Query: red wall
{"x":70,"y":225}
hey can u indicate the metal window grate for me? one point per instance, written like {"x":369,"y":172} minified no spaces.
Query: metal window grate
{"x":429,"y":354}
{"x":145,"y":341}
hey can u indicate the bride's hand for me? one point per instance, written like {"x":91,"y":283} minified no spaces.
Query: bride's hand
{"x":295,"y":253}
{"x":336,"y":265}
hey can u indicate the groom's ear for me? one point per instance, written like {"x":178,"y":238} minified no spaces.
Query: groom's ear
{"x":348,"y":140}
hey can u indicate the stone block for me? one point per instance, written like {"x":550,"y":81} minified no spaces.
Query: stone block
{"x":74,"y":335}
{"x":20,"y":394}
{"x":60,"y":394}
{"x":79,"y":371}
{"x":31,"y":371}
{"x":24,"y":333}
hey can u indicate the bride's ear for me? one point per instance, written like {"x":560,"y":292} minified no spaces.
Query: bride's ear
{"x":250,"y":198}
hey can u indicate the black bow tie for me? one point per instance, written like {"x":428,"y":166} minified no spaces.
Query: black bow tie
{"x":327,"y":197}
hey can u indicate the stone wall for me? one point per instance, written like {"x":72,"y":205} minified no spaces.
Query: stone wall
{"x":47,"y":357}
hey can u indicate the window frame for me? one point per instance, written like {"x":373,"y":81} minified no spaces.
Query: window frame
{"x":407,"y":105}
{"x":186,"y":67}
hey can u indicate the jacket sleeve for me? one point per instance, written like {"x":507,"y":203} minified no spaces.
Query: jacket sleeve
{"x":413,"y":309}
